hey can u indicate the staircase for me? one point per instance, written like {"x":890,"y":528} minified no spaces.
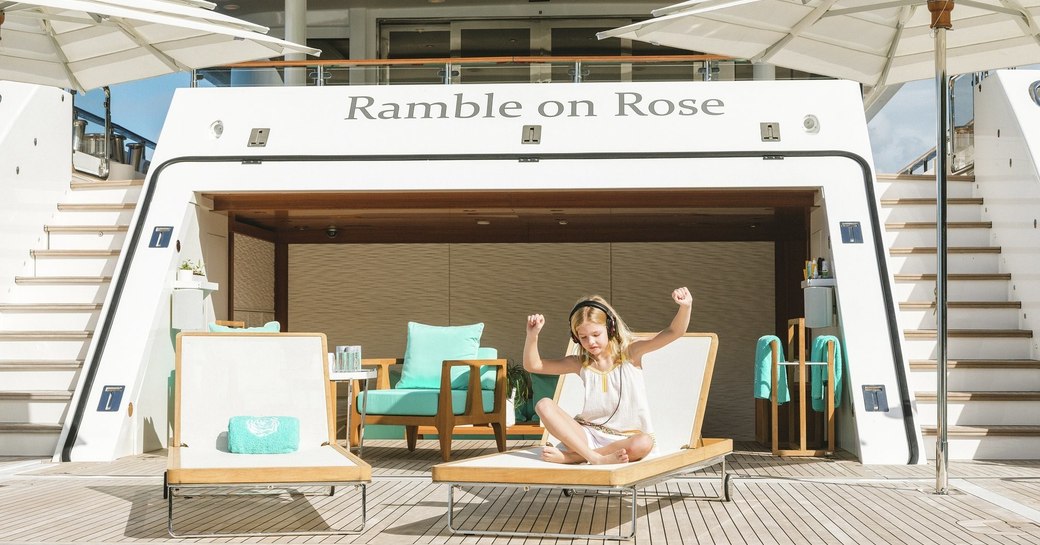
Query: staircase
{"x":48,"y":322}
{"x":993,"y":401}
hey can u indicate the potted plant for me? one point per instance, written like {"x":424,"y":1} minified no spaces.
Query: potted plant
{"x":186,"y":271}
{"x":198,"y":269}
{"x":518,"y":389}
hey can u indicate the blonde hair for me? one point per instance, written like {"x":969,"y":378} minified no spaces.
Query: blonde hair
{"x":617,"y":347}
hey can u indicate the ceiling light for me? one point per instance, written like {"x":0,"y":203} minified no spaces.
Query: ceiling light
{"x":561,"y":222}
{"x":231,"y":7}
{"x":483,"y":222}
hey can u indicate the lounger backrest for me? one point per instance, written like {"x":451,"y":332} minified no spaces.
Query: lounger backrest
{"x":220,"y":375}
{"x":677,"y":380}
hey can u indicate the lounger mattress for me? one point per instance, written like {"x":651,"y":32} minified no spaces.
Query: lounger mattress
{"x":320,"y":464}
{"x":526,"y":467}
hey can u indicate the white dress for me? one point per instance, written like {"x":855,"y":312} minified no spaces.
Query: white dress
{"x":615,"y":404}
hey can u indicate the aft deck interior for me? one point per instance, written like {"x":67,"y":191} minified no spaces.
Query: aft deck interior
{"x":774,"y":501}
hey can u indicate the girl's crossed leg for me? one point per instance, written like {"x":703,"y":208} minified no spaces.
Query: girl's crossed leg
{"x":562,"y":426}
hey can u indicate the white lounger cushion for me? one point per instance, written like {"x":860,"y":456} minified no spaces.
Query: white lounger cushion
{"x":220,"y":375}
{"x":677,"y":379}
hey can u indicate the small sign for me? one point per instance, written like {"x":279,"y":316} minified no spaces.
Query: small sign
{"x":851,"y":232}
{"x":110,"y":398}
{"x":161,"y":236}
{"x":874,"y":398}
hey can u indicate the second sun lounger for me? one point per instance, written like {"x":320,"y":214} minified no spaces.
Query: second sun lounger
{"x":677,"y":380}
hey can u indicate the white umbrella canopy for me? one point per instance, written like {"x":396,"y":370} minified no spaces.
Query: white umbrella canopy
{"x":873,"y":42}
{"x":84,"y":44}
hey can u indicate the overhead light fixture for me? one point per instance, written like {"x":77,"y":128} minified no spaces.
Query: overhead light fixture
{"x":435,"y":1}
{"x":561,"y":222}
{"x":483,"y":222}
{"x":231,"y":7}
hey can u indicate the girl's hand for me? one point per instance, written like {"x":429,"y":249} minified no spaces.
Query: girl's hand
{"x":535,"y":323}
{"x":682,"y":297}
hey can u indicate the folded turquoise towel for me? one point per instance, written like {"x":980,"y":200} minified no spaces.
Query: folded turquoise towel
{"x":818,"y":373}
{"x":263,"y":434}
{"x":763,"y":370}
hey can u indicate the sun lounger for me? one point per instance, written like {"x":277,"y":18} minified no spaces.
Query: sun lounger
{"x":677,"y":381}
{"x":272,"y":375}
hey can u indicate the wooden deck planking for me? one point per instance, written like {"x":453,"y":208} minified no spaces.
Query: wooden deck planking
{"x":778,"y":502}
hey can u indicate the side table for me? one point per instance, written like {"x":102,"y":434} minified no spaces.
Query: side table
{"x":363,"y":376}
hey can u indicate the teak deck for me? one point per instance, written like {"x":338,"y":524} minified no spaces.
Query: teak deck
{"x":774,"y":501}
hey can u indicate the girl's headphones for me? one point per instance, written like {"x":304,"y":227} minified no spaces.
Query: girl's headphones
{"x":612,"y":331}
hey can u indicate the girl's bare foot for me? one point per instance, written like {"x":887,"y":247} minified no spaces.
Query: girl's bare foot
{"x":619,"y":456}
{"x":553,"y":454}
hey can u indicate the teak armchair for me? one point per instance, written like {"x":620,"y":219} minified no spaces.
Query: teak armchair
{"x":444,"y":407}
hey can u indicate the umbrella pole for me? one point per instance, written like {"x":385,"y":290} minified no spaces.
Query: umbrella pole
{"x":940,"y":23}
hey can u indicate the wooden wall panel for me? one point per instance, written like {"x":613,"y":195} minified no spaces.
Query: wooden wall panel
{"x":254,"y":280}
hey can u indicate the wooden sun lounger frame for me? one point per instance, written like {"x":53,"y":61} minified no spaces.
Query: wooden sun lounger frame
{"x":178,"y":478}
{"x":626,"y":479}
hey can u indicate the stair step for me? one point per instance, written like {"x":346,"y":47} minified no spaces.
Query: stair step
{"x":25,"y":427}
{"x":84,"y":183}
{"x":924,"y":177}
{"x":62,"y":279}
{"x":74,"y":253}
{"x":95,"y":207}
{"x":925,"y":305}
{"x":977,"y":431}
{"x":900,"y":225}
{"x":961,"y":397}
{"x":969,"y":333}
{"x":930,"y":365}
{"x":49,"y":307}
{"x":59,"y":365}
{"x":37,"y":395}
{"x":931,"y":201}
{"x":42,"y":335}
{"x":86,"y":228}
{"x":915,"y":277}
{"x":951,"y":250}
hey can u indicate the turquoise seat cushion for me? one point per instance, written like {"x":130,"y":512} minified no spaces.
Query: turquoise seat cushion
{"x":263,"y":434}
{"x":417,"y":402}
{"x":269,"y":327}
{"x":427,"y":348}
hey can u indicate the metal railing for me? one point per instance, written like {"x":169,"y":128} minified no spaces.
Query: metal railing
{"x":511,"y":69}
{"x":114,"y":143}
{"x":961,"y":141}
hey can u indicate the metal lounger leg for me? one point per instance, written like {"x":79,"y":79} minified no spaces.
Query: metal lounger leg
{"x":359,"y":530}
{"x":451,"y":509}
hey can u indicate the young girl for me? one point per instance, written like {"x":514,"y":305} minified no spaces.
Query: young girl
{"x":614,"y":426}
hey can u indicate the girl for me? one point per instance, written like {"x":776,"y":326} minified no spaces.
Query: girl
{"x":614,"y":426}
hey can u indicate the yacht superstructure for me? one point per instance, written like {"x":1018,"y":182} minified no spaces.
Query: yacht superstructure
{"x":353,"y":209}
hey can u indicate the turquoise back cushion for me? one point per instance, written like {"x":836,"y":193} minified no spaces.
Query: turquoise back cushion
{"x":269,"y":327}
{"x":487,"y":373}
{"x":427,"y":348}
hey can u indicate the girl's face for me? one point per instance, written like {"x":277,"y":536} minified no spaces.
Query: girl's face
{"x":593,"y":337}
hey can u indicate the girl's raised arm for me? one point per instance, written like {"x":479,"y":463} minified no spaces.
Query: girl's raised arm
{"x":676,"y":329}
{"x":533,"y":361}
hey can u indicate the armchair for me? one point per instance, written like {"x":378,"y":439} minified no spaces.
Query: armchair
{"x":447,"y":381}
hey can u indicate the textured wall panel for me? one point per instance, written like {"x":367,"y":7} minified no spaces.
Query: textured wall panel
{"x":254,"y":280}
{"x":732,"y":288}
{"x":501,"y":284}
{"x":366,"y":294}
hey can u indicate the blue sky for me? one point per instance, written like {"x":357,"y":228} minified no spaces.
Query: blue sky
{"x":901,"y":132}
